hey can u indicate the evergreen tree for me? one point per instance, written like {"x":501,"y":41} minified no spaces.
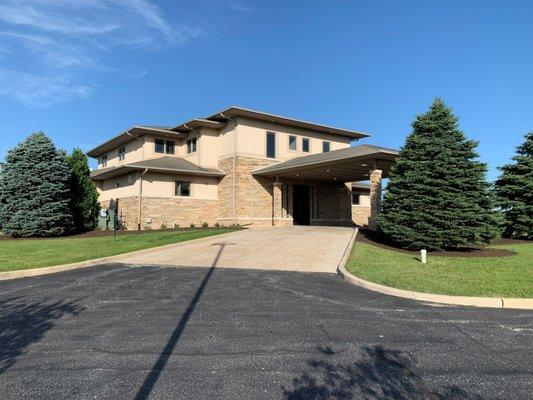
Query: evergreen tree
{"x":84,"y":197}
{"x":515,"y":192}
{"x":437,"y":193}
{"x":34,"y":189}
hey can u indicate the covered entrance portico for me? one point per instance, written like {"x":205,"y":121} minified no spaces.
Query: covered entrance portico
{"x":313,"y":190}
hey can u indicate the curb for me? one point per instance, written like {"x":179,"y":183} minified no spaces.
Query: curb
{"x":97,"y":261}
{"x":488,"y":302}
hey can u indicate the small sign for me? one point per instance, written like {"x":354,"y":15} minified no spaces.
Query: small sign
{"x":103,"y":212}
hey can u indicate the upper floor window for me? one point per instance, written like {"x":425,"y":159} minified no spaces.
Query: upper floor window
{"x":103,"y":160}
{"x":159,"y":146}
{"x":169,"y":147}
{"x":191,"y":145}
{"x":183,"y":188}
{"x":271,"y":145}
{"x":325,"y":147}
{"x":292,"y":142}
{"x":355,"y":198}
{"x":164,"y":146}
{"x":122,"y":153}
{"x":305,"y":145}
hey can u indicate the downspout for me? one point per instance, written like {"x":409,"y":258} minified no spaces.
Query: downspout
{"x":234,"y":172}
{"x":140,"y":197}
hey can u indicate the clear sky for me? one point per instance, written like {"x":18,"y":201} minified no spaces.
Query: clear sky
{"x":85,"y":70}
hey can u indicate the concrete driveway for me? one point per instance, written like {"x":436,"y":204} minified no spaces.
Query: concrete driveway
{"x":146,"y":332}
{"x":295,"y":248}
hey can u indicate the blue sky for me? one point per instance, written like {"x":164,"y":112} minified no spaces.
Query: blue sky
{"x":84,"y":70}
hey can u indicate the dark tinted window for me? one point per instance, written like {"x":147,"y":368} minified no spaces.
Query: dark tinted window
{"x":191,"y":145}
{"x":325,"y":147}
{"x":292,"y":142}
{"x":159,"y":146}
{"x":305,"y":145}
{"x":355,"y":198}
{"x":121,"y":153}
{"x":183,"y":188}
{"x":170,"y":147}
{"x":271,"y":145}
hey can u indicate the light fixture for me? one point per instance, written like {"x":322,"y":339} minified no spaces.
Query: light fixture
{"x":297,"y":174}
{"x":364,"y":165}
{"x":327,"y":170}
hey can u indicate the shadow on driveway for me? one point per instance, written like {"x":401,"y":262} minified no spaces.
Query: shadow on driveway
{"x":22,"y":324}
{"x":380,"y":374}
{"x":159,"y":365}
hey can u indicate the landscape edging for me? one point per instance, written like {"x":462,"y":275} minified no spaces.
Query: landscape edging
{"x":24,"y":273}
{"x":488,"y":302}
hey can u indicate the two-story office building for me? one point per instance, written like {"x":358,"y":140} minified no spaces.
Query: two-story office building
{"x":240,"y":166}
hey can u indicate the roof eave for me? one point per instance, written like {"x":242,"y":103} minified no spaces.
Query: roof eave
{"x":230,"y":112}
{"x":115,"y":141}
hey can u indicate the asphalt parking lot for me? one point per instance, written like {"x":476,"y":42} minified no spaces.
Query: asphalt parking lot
{"x":137,"y":332}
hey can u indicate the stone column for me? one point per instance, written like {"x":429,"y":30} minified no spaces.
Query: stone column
{"x":277,"y":206}
{"x":375,"y":197}
{"x":345,"y":204}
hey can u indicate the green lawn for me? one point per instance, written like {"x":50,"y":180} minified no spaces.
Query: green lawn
{"x":36,"y":253}
{"x":490,"y":277}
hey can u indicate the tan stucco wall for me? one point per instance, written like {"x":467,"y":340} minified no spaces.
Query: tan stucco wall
{"x":128,"y":186}
{"x":251,"y":139}
{"x":163,"y":185}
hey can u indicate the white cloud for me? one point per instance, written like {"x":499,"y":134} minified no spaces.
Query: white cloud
{"x":41,"y":91}
{"x":54,"y":44}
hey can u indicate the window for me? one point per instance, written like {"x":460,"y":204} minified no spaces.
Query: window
{"x":271,"y":145}
{"x":103,"y":160}
{"x":292,"y":142}
{"x":159,"y":146}
{"x":325,"y":147}
{"x":191,"y":145}
{"x":169,"y":147}
{"x":355,"y":198}
{"x":121,"y":153}
{"x":305,"y":145}
{"x":183,"y":188}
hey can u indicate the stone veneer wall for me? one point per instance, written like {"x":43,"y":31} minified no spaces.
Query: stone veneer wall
{"x":360,"y":215}
{"x":167,"y":210}
{"x":253,"y":195}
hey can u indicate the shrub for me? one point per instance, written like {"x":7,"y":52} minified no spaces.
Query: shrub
{"x":84,"y":203}
{"x":205,"y":225}
{"x":437,"y":193}
{"x":34,"y":189}
{"x":514,"y":189}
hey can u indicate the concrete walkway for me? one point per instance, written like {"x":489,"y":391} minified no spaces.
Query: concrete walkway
{"x":296,"y":248}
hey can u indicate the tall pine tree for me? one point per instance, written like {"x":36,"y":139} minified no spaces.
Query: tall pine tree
{"x":34,"y":189}
{"x":437,"y":193}
{"x":514,"y":188}
{"x":84,"y":197}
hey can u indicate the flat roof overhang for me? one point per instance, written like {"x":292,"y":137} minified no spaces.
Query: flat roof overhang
{"x":345,"y":165}
{"x":132,"y":133}
{"x":167,"y":164}
{"x":234,"y":111}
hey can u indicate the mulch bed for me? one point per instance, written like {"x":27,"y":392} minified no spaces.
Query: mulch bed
{"x":98,"y":233}
{"x":374,"y":238}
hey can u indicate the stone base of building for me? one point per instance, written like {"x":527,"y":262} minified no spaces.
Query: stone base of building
{"x":360,"y":215}
{"x":163,"y":212}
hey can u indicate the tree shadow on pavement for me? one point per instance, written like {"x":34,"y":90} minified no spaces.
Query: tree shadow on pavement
{"x":23,"y":323}
{"x":379,"y":374}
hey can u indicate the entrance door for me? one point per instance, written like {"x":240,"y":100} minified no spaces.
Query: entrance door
{"x":301,"y":205}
